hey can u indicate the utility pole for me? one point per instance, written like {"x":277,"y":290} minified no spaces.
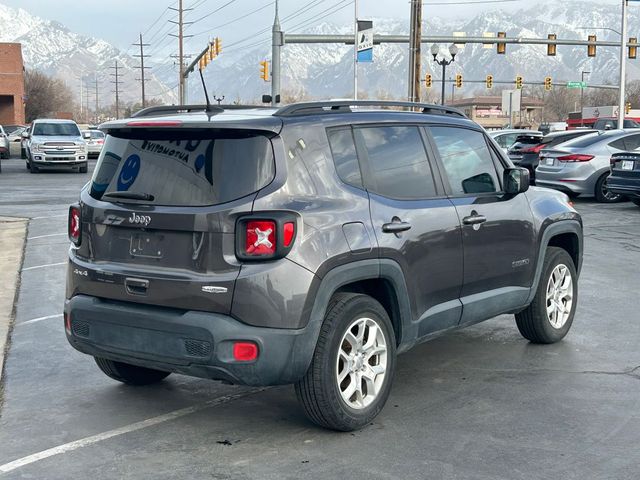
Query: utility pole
{"x":415,"y":37}
{"x":97,"y":120}
{"x":415,"y":34}
{"x":116,"y":81}
{"x":277,"y":41}
{"x":86,"y":99}
{"x":182,"y":93}
{"x":142,"y":56}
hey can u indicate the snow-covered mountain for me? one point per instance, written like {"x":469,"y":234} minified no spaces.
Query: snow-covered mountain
{"x":52,"y":48}
{"x":326,"y":70}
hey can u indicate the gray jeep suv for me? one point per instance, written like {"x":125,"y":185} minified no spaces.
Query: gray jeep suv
{"x":308,"y":244}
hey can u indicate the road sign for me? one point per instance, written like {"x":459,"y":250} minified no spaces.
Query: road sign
{"x":576,"y":84}
{"x":511,"y":100}
{"x":365,"y":41}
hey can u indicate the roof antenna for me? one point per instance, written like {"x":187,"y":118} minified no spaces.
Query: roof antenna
{"x":204,"y":87}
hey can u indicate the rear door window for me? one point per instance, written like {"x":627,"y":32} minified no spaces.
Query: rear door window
{"x":183,"y":171}
{"x":467,"y":160}
{"x":398,"y":162}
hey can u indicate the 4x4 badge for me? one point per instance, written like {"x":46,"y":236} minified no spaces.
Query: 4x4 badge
{"x":143,"y":219}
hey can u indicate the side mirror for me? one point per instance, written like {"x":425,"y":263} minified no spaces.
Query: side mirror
{"x":25,"y":134}
{"x":516,"y":180}
{"x":86,"y":135}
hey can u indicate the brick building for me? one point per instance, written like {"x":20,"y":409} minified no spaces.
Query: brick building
{"x":11,"y":84}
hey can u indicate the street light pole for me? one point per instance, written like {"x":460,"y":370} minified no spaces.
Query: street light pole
{"x":582,"y":97}
{"x":622,"y":65}
{"x":443,"y":62}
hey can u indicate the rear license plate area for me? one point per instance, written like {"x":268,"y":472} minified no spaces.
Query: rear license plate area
{"x":146,"y":245}
{"x":548,"y":161}
{"x":627,"y":164}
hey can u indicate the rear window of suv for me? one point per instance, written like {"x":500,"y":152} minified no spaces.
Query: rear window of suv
{"x":183,"y":170}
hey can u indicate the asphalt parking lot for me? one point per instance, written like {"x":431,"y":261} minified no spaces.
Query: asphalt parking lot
{"x":481,"y":403}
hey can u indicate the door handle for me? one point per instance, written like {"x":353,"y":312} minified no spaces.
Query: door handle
{"x":396,"y":227}
{"x":474,"y":219}
{"x":136,"y":286}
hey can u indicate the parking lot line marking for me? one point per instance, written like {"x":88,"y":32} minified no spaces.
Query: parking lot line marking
{"x":50,"y":216}
{"x":49,"y":235}
{"x":43,"y":266}
{"x":83,"y":442}
{"x":34,"y":320}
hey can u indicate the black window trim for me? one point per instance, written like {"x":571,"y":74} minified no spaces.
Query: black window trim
{"x":365,"y":167}
{"x":445,"y":180}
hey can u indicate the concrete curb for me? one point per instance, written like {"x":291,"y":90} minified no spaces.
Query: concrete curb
{"x":13,"y":232}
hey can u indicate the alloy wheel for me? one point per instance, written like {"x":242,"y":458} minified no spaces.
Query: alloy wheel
{"x":559,"y":296}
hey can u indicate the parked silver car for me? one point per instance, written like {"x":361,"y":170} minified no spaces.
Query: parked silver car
{"x":581,"y":166}
{"x":95,"y":142}
{"x":4,"y":144}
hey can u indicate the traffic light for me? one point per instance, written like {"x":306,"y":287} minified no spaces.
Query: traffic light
{"x":217,"y":43}
{"x":519,"y":82}
{"x":204,"y":61}
{"x":428,"y":81}
{"x":501,"y":48}
{"x":547,"y":83}
{"x":264,"y":70}
{"x":633,"y":48}
{"x":212,"y":51}
{"x":627,"y":108}
{"x":591,"y":49}
{"x":458,"y":81}
{"x":489,"y":81}
{"x":551,"y":47}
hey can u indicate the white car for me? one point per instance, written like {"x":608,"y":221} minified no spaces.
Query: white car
{"x":4,"y":144}
{"x":95,"y":142}
{"x":54,"y":143}
{"x":506,"y":138}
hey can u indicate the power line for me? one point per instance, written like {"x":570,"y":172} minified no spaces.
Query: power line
{"x":214,"y":11}
{"x":242,"y":17}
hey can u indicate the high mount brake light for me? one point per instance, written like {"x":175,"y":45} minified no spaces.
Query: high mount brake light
{"x":74,"y":225}
{"x":154,"y":123}
{"x":576,"y":157}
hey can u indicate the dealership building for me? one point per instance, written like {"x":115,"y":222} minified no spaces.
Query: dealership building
{"x":12,"y":95}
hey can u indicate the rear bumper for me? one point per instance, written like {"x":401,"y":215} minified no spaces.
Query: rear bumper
{"x":624,"y":186}
{"x":193,"y":343}
{"x":571,"y":177}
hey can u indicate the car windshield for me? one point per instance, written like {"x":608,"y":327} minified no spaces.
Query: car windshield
{"x":96,"y":134}
{"x":12,"y":128}
{"x":55,"y":129}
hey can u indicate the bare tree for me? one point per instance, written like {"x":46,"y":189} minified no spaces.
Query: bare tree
{"x":45,"y":95}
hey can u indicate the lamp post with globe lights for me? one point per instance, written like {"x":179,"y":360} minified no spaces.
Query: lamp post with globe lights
{"x":443,"y":62}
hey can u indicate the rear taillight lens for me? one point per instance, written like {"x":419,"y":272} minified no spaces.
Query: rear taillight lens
{"x":535,"y":149}
{"x":575,"y":157}
{"x":100,"y":142}
{"x":260,"y":238}
{"x":267,"y":237}
{"x":74,"y":225}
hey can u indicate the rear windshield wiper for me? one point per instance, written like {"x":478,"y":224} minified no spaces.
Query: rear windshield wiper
{"x":130,"y":195}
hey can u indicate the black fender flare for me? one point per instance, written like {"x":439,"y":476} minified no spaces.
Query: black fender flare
{"x":345,"y":274}
{"x":560,"y":227}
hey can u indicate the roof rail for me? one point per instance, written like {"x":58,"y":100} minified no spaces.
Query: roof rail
{"x":337,"y":106}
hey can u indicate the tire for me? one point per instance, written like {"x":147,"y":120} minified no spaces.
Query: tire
{"x":23,"y":153}
{"x":33,"y":168}
{"x":28,"y":166}
{"x":84,"y":169}
{"x":319,"y":391}
{"x":130,"y":374}
{"x":602,"y":194}
{"x":636,"y":201}
{"x":535,"y":323}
